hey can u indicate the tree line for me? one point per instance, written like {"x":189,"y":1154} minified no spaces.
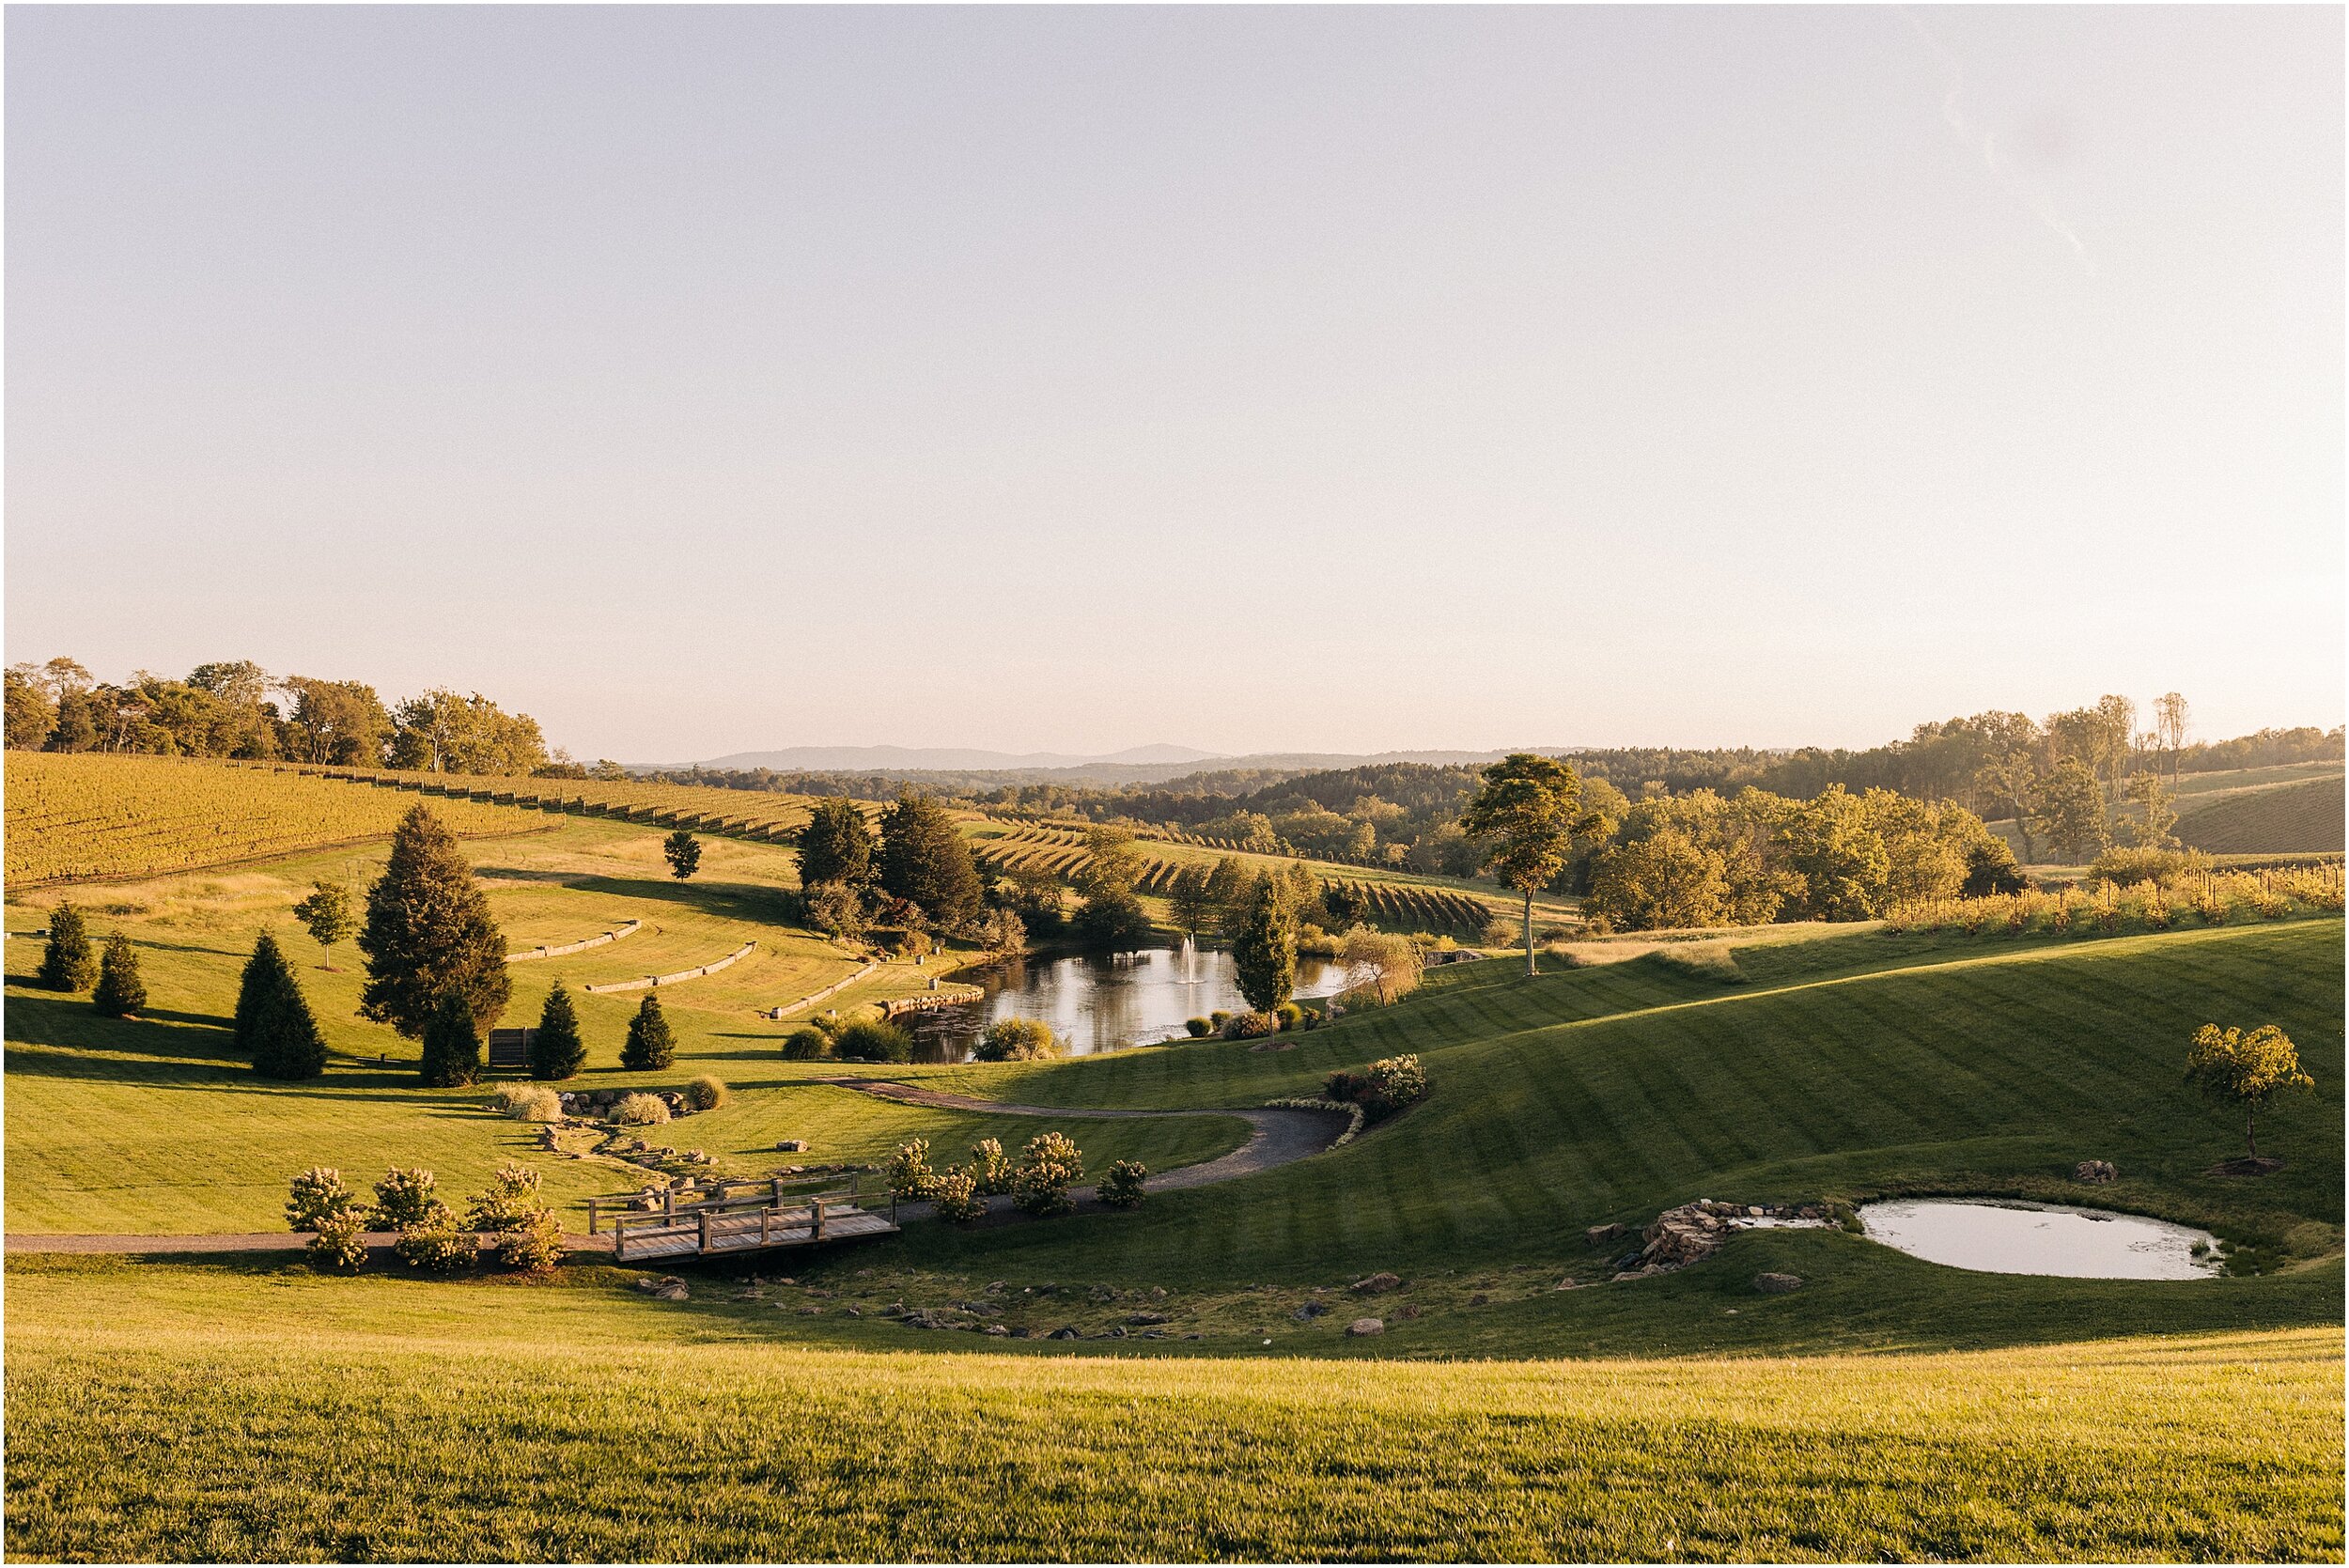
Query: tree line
{"x":237,"y":710}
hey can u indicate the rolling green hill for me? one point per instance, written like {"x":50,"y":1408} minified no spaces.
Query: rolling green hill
{"x":2304,"y":816}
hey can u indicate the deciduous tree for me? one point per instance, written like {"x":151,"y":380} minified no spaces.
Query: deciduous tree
{"x":2248,"y":1070}
{"x":2068,"y":806}
{"x":1523,"y":819}
{"x":328,"y":914}
{"x":684,"y":852}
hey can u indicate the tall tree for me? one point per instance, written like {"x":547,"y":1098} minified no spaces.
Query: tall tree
{"x":2068,"y":806}
{"x":1524,"y":818}
{"x":338,"y":721}
{"x":428,"y":933}
{"x":276,"y":1030}
{"x":452,"y":1044}
{"x":2150,"y":828}
{"x":649,"y":1047}
{"x":2248,"y":1070}
{"x":32,"y":715}
{"x":556,"y":1050}
{"x":2172,"y":722}
{"x":121,"y":991}
{"x":684,"y":852}
{"x":2008,"y":776}
{"x":1190,"y":900}
{"x":66,"y":964}
{"x":327,"y":913}
{"x":1265,"y":953}
{"x":836,"y":846}
{"x":924,"y":860}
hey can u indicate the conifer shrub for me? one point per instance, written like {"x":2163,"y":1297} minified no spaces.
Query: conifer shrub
{"x":650,"y":1047}
{"x":1016,"y":1040}
{"x":1050,"y":1163}
{"x":276,"y":1028}
{"x":806,"y":1043}
{"x":641,"y":1111}
{"x":317,"y":1196}
{"x":956,"y":1193}
{"x":452,"y":1044}
{"x":910,"y":1178}
{"x":340,"y":1242}
{"x":989,"y":1170}
{"x":556,"y":1050}
{"x":1120,"y":1187}
{"x":865,"y":1041}
{"x":66,"y":964}
{"x":704,"y":1093}
{"x":121,"y":991}
{"x":404,"y":1197}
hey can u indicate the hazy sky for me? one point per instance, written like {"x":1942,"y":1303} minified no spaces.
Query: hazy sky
{"x":709,"y":379}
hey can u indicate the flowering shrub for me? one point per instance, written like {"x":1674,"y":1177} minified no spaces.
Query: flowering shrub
{"x":909,"y":1174}
{"x":956,"y":1196}
{"x":535,"y":1245}
{"x":317,"y":1196}
{"x":1121,"y":1184}
{"x":404,"y":1197}
{"x":341,"y":1241}
{"x":641,"y":1111}
{"x":989,"y":1171}
{"x":433,"y":1242}
{"x":1251,"y":1026}
{"x":511,"y":1198}
{"x":1046,"y":1167}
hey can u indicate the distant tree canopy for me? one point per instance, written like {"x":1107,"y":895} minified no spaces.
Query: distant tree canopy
{"x":428,"y":933}
{"x":924,"y":862}
{"x":440,"y":732}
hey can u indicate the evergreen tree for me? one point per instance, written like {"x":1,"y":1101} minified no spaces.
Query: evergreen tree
{"x":452,"y":1044}
{"x":65,"y":962}
{"x":836,"y":846}
{"x":121,"y":991}
{"x":556,"y":1050}
{"x":924,"y":860}
{"x":428,"y":933}
{"x":685,"y":853}
{"x":650,"y":1047}
{"x":276,"y":1028}
{"x":1266,"y":951}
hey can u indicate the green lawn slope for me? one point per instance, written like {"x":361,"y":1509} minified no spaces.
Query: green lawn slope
{"x":2304,"y":818}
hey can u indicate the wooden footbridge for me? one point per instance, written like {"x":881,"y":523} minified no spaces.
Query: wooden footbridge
{"x":724,"y":1218}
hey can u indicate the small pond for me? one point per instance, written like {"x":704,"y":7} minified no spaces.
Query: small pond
{"x":1996,"y":1236}
{"x":1103,"y":1002}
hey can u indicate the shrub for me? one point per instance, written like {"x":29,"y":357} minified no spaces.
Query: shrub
{"x":404,"y":1197}
{"x":989,"y":1171}
{"x":341,"y":1241}
{"x":316,"y":1197}
{"x":1050,"y":1163}
{"x":956,"y":1193}
{"x":910,"y":1178}
{"x":533,"y":1247}
{"x":873,"y":1042}
{"x":435,"y":1244}
{"x":452,"y":1044}
{"x":2144,"y":864}
{"x":704,"y":1093}
{"x":1990,"y":868}
{"x":1199,"y":1029}
{"x":1384,"y":1088}
{"x":1217,"y":1020}
{"x":650,"y":1047}
{"x":1016,"y":1040}
{"x":527,"y":1102}
{"x":121,"y":991}
{"x":1121,"y":1184}
{"x":1288,"y":1016}
{"x":66,"y":964}
{"x":510,"y":1200}
{"x":1251,"y":1026}
{"x":806,"y":1043}
{"x":556,"y":1052}
{"x":639,"y":1110}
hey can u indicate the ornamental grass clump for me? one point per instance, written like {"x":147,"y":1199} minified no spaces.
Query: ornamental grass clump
{"x":641,"y":1111}
{"x":1016,"y":1040}
{"x":806,"y":1043}
{"x":873,"y":1042}
{"x":527,"y":1102}
{"x":1046,"y":1167}
{"x":704,"y":1093}
{"x":1120,"y":1186}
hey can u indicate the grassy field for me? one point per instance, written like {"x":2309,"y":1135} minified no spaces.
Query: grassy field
{"x":153,"y":1127}
{"x":2283,"y":818}
{"x":408,"y":1419}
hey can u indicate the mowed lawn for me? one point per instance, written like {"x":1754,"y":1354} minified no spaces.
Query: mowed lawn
{"x":154,"y":1125}
{"x":233,"y":1413}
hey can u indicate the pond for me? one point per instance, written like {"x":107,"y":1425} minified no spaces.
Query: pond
{"x":1103,"y":1002}
{"x":2013,"y":1237}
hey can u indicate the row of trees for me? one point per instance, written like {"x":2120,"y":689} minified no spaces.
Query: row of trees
{"x":237,"y":710}
{"x":915,"y":874}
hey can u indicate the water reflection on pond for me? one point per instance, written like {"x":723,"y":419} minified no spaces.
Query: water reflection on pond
{"x":2002,"y":1238}
{"x":1103,"y":1002}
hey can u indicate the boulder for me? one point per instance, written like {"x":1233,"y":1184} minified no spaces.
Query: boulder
{"x":670,"y":1290}
{"x":1309,"y":1311}
{"x":1062,"y":1334}
{"x":1598,"y":1235}
{"x":1566,"y":1283}
{"x":792,"y":1146}
{"x":1776,"y":1284}
{"x":1148,"y":1320}
{"x":1377,"y":1284}
{"x":2094,"y":1171}
{"x":1407,"y":1312}
{"x":1363,"y":1328}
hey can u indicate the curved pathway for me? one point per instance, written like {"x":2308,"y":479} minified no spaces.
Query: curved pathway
{"x":1276,"y":1138}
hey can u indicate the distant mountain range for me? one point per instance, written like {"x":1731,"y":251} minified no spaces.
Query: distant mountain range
{"x":1135,"y":766}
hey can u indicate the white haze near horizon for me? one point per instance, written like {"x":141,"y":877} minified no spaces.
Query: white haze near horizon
{"x":727,"y":379}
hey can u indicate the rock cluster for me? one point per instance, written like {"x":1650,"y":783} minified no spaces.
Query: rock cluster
{"x":1693,"y":1232}
{"x":596,"y":1104}
{"x":667,"y":1288}
{"x":2095,"y":1170}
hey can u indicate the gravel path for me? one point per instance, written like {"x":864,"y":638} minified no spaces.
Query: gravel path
{"x":378,"y":1243}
